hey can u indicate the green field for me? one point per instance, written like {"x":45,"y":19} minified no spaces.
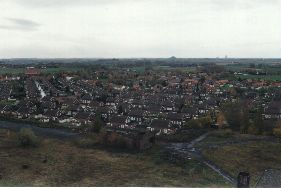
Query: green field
{"x":273,"y":73}
{"x":261,"y":77}
{"x":62,"y":69}
{"x":7,"y":102}
{"x":16,"y":71}
{"x":13,"y":71}
{"x":183,"y":69}
{"x":141,"y":69}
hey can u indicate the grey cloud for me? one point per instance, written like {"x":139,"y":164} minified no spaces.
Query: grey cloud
{"x":19,"y":24}
{"x":218,"y":4}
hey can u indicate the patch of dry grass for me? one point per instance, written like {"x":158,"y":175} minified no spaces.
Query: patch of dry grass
{"x":253,"y":157}
{"x":69,"y":165}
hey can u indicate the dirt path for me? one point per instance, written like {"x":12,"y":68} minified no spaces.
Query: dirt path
{"x":190,"y":151}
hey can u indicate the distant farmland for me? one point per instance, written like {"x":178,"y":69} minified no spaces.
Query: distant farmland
{"x":16,"y":71}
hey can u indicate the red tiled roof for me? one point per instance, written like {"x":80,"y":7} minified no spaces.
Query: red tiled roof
{"x":32,"y":71}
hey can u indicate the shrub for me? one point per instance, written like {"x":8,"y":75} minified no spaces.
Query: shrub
{"x":277,"y":133}
{"x":85,"y":142}
{"x":226,"y":133}
{"x":116,"y":140}
{"x":193,"y":124}
{"x":98,"y":125}
{"x":27,"y":138}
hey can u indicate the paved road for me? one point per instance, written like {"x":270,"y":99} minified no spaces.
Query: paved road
{"x":44,"y":132}
{"x":188,"y":150}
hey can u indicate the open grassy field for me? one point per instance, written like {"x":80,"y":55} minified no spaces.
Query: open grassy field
{"x":261,"y":77}
{"x":250,"y":154}
{"x":7,"y":102}
{"x":70,"y":165}
{"x":273,"y":72}
{"x":13,"y":71}
{"x":61,"y":69}
{"x":170,"y":68}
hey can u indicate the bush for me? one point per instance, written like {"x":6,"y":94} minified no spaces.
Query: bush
{"x":226,"y":133}
{"x":202,"y":122}
{"x":116,"y":140}
{"x":85,"y":142}
{"x":193,"y":124}
{"x":98,"y":125}
{"x":277,"y":133}
{"x":27,"y":138}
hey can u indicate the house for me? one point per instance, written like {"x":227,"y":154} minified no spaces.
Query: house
{"x":110,"y":101}
{"x":66,"y":102}
{"x":10,"y":110}
{"x":160,"y":126}
{"x":202,"y":107}
{"x":273,"y":110}
{"x":69,"y":120}
{"x":167,"y":106}
{"x":73,"y":109}
{"x":40,"y":117}
{"x":136,"y":116}
{"x":118,"y":121}
{"x":65,"y":119}
{"x":190,"y":112}
{"x":2,"y":106}
{"x":175,"y":119}
{"x":105,"y":113}
{"x":31,"y":71}
{"x":52,"y":114}
{"x":86,"y":99}
{"x":85,"y":118}
{"x":48,"y":104}
{"x":158,"y":88}
{"x":123,"y":108}
{"x":137,"y":103}
{"x":23,"y":112}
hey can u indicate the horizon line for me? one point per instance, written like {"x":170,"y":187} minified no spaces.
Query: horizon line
{"x":172,"y":57}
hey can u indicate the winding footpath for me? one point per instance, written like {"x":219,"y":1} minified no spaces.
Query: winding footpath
{"x":188,"y":150}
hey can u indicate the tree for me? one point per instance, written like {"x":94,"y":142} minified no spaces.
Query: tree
{"x":277,"y":130}
{"x":221,"y":121}
{"x":233,"y":115}
{"x":114,"y":140}
{"x":27,"y":138}
{"x":245,"y":120}
{"x":98,"y":124}
{"x":120,"y":109}
{"x":233,"y":91}
{"x":237,"y":116}
{"x":252,"y":65}
{"x":258,"y":122}
{"x":193,"y":124}
{"x":205,"y":121}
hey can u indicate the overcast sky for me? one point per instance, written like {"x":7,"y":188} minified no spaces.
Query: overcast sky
{"x":140,"y":28}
